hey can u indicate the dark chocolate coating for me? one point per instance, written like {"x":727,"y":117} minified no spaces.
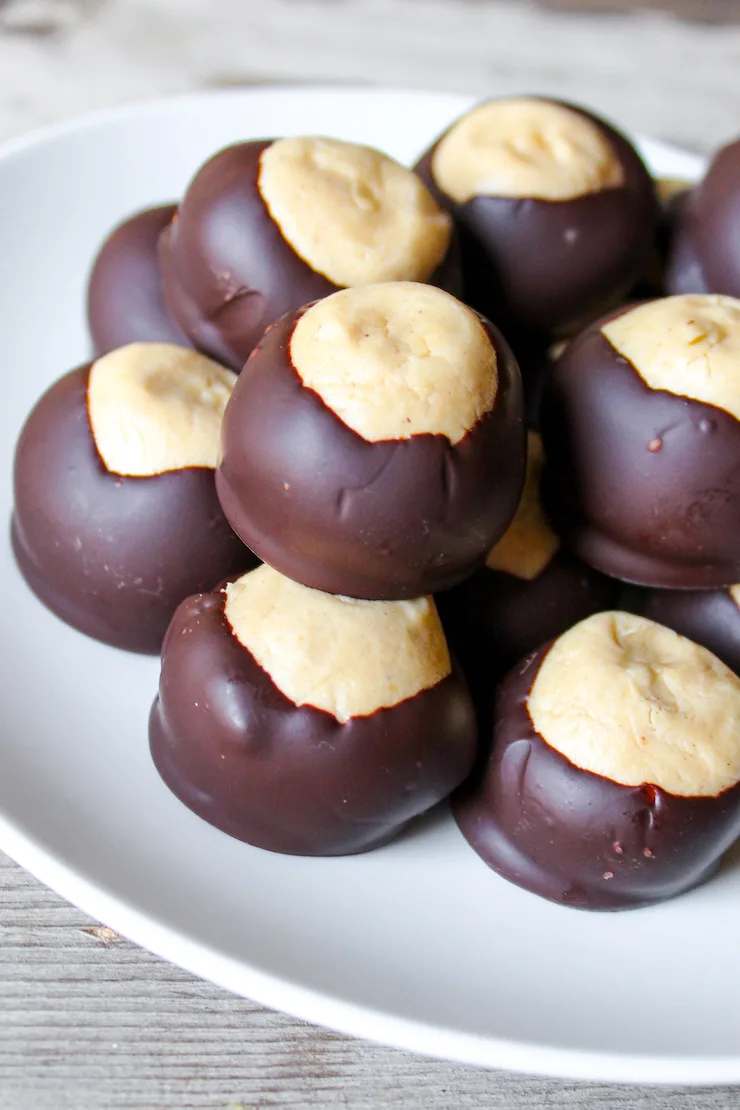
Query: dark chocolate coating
{"x":228,"y":272}
{"x":493,"y":619}
{"x":110,"y":555}
{"x":293,"y":779}
{"x":684,"y":272}
{"x":535,"y":364}
{"x":705,"y":253}
{"x":387,"y":520}
{"x":576,"y":837}
{"x":656,"y":280}
{"x":550,"y":266}
{"x":641,"y":483}
{"x":708,"y":617}
{"x":125,"y":303}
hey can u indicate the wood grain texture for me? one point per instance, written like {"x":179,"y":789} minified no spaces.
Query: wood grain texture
{"x":702,"y":11}
{"x":653,"y":73}
{"x":88,"y":1021}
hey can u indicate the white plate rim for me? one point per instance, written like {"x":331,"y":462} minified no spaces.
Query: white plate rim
{"x":270,"y":990}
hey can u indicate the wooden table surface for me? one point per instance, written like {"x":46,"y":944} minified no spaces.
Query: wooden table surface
{"x":88,"y":1020}
{"x":699,"y":11}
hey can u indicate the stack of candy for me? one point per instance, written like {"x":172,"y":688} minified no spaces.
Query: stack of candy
{"x":424,"y":483}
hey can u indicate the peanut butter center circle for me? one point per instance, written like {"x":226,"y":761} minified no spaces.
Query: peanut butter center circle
{"x":156,"y":407}
{"x":688,"y":345}
{"x":397,"y":360}
{"x":626,"y":698}
{"x":525,"y":148}
{"x":352,"y":213}
{"x":347,"y":657}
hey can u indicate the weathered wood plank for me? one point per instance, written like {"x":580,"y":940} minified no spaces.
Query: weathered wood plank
{"x":90,"y":1022}
{"x":662,"y":76}
{"x":703,"y":11}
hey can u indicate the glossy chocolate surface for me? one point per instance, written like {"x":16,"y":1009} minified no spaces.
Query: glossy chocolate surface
{"x":705,"y":253}
{"x":708,"y":617}
{"x":387,"y":520}
{"x":684,"y":272}
{"x":228,"y":272}
{"x":576,"y":837}
{"x":641,"y":483}
{"x":110,"y":555}
{"x":535,"y":363}
{"x":660,"y":272}
{"x":494,"y":618}
{"x":125,"y":303}
{"x":550,"y":266}
{"x":293,"y":779}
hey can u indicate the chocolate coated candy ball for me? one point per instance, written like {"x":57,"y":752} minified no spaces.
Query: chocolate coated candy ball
{"x":612,"y":779}
{"x":267,"y":226}
{"x":709,"y":617}
{"x":306,"y":723}
{"x":374,"y":443}
{"x":556,"y":211}
{"x":528,"y":591}
{"x":116,"y":516}
{"x":125,"y":303}
{"x":641,"y":427}
{"x":704,"y":255}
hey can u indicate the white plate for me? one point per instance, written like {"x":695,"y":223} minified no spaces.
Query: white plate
{"x":418,"y":944}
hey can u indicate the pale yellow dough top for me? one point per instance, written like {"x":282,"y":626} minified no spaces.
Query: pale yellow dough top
{"x":397,"y":360}
{"x":156,"y":407}
{"x":626,"y":698}
{"x":526,"y":148}
{"x":688,"y":345}
{"x":347,"y":657}
{"x":353,"y":214}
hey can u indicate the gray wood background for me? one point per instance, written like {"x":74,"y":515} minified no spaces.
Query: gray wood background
{"x":651,"y":72}
{"x":701,"y":11}
{"x":90,"y":1022}
{"x":87,"y":1020}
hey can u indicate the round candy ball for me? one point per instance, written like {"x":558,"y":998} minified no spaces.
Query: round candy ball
{"x":704,"y":252}
{"x":374,"y":443}
{"x":306,"y":723}
{"x":125,"y":303}
{"x":116,"y":517}
{"x":528,"y":591}
{"x":641,"y":427}
{"x":268,"y":226}
{"x":612,"y":776}
{"x":556,"y":212}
